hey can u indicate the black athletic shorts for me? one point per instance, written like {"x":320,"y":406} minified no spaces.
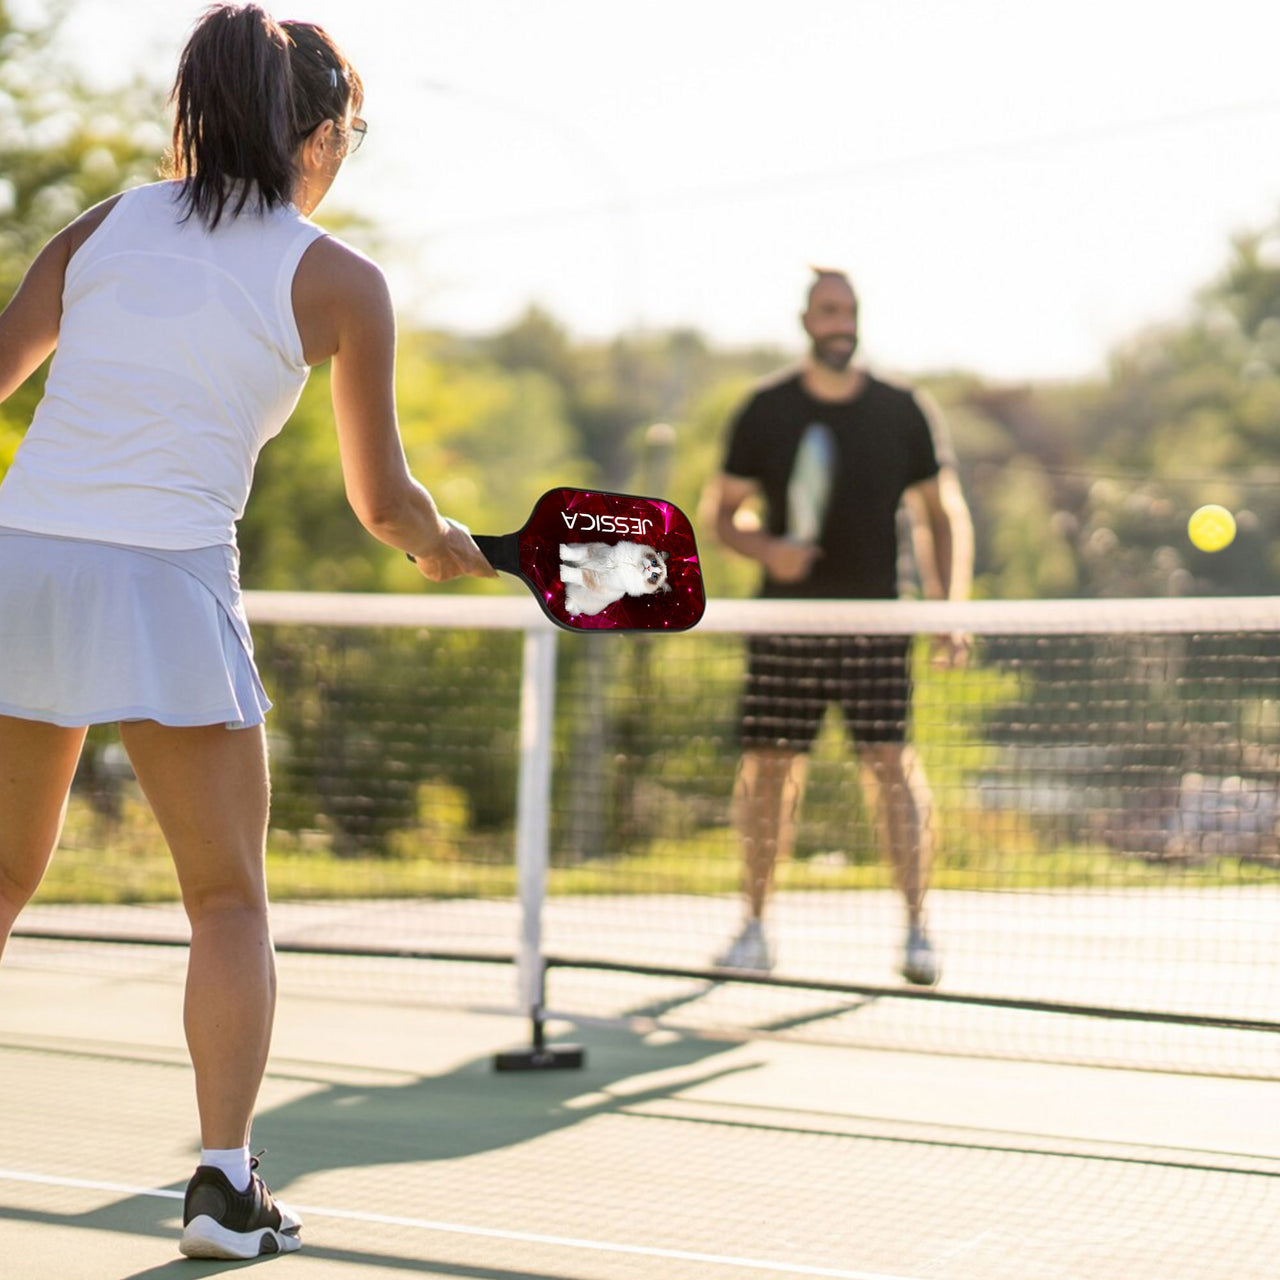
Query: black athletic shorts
{"x":792,"y":679}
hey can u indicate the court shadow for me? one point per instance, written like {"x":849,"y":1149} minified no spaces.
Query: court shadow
{"x":471,"y":1109}
{"x":144,"y":1216}
{"x":463,"y":1112}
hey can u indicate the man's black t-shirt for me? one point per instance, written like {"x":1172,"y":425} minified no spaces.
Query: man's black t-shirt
{"x":884,"y":445}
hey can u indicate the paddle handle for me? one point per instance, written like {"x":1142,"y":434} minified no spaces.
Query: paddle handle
{"x":502,"y":551}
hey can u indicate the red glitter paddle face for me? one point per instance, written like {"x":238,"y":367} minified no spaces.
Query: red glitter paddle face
{"x":606,"y":561}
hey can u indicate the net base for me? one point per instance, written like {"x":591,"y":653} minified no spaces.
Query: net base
{"x":551,"y":1057}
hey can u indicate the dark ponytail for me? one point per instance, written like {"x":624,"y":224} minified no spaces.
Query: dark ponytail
{"x":248,"y":91}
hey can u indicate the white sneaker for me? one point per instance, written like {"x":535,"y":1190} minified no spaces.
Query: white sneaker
{"x":920,"y":965}
{"x":750,"y":950}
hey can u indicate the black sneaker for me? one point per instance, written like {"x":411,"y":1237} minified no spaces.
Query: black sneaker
{"x":220,"y":1222}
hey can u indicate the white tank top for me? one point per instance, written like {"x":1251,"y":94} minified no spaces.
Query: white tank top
{"x":178,"y":358}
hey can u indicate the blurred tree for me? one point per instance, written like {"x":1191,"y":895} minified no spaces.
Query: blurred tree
{"x":1188,"y":413}
{"x":1249,"y":291}
{"x":538,"y":342}
{"x":1194,"y":410}
{"x":614,"y":391}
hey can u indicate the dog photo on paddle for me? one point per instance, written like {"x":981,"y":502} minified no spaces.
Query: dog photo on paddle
{"x":596,"y":574}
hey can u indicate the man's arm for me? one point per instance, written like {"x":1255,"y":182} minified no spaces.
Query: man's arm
{"x":784,"y":559}
{"x":942,"y":535}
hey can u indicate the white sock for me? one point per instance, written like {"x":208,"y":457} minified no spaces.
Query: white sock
{"x":233,"y":1161}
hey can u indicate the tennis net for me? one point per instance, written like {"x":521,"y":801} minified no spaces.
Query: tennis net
{"x":455,"y":781}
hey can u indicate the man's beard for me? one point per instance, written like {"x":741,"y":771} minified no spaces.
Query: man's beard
{"x":835,"y":353}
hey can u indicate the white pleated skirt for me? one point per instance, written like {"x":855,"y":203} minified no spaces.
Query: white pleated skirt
{"x":93,"y":632}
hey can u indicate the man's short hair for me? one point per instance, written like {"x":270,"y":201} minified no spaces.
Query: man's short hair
{"x":821,"y":275}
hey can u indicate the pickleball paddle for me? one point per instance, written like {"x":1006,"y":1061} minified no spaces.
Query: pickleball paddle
{"x":809,"y":486}
{"x":598,"y":561}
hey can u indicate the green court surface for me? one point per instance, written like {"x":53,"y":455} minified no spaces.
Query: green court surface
{"x":671,"y":1154}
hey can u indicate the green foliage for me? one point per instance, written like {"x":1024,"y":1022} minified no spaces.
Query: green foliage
{"x":1076,"y":489}
{"x":1028,"y":543}
{"x":485,"y":439}
{"x":10,"y":436}
{"x":297,"y":532}
{"x":357,"y":730}
{"x":1085,"y":489}
{"x":614,"y":392}
{"x":63,"y":145}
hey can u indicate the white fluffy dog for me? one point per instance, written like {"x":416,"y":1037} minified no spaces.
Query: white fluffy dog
{"x":595,"y":574}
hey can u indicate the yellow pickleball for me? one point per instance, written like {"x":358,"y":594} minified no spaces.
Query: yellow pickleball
{"x":1211,"y":527}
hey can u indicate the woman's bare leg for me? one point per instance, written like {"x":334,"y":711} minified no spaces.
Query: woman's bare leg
{"x":37,"y":763}
{"x":209,"y":790}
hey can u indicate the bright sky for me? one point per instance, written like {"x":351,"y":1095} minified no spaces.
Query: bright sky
{"x":1014,"y":185}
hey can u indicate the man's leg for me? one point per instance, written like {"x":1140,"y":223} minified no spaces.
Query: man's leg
{"x":877,"y":702}
{"x":37,"y":763}
{"x":767,"y":797}
{"x":783,"y":703}
{"x":894,"y":776}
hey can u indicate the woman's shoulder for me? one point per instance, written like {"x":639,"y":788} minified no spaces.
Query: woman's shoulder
{"x":336,"y":290}
{"x":78,"y":231}
{"x":329,"y":259}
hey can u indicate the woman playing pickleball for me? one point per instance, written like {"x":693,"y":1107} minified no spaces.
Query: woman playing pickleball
{"x":184,"y":317}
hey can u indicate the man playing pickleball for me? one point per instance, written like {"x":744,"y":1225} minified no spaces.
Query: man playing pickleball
{"x":830,"y":453}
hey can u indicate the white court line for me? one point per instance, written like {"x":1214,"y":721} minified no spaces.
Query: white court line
{"x":491,"y":1233}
